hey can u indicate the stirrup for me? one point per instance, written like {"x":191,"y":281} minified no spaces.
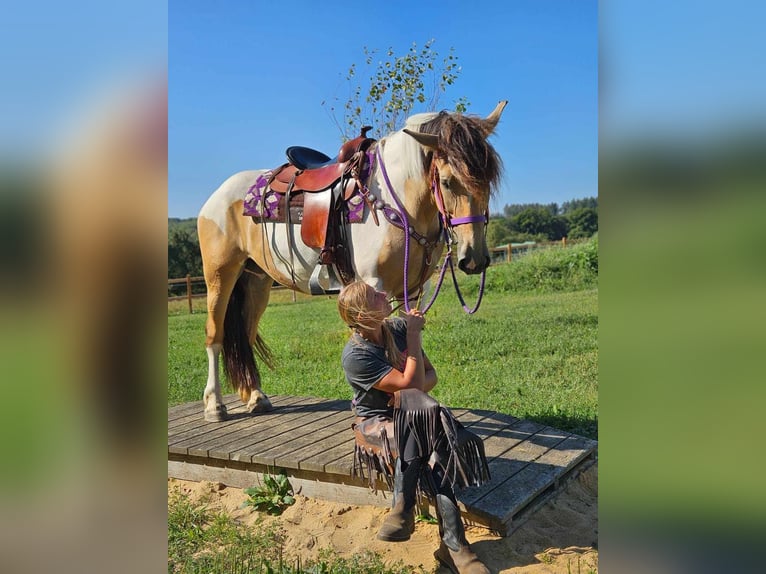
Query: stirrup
{"x":333,"y":286}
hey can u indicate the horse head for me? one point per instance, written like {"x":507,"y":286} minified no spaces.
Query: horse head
{"x":464,"y":171}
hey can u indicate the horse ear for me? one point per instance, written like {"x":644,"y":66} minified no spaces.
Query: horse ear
{"x":491,"y":121}
{"x":428,"y":140}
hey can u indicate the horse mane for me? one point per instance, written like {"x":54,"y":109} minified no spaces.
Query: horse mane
{"x":463,"y":140}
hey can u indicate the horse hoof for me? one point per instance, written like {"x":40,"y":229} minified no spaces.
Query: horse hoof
{"x":261,"y":406}
{"x":218,"y":415}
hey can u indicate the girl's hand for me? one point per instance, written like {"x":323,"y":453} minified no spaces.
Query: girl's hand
{"x":415,"y":320}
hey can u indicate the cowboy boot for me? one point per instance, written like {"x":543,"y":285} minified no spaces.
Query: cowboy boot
{"x":454,"y":551}
{"x":400,"y":522}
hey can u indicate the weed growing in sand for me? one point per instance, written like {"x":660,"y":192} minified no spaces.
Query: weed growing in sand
{"x":427,"y":518}
{"x":579,"y":568}
{"x":273,"y":496}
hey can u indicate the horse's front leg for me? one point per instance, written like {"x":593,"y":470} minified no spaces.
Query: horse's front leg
{"x":212,"y":399}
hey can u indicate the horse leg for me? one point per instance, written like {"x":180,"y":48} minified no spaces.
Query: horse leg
{"x":220,"y":283}
{"x":258,"y":292}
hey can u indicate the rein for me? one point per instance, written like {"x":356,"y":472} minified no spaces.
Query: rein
{"x":446,"y":223}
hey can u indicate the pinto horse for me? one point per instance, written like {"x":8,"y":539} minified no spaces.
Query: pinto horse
{"x":435,"y":175}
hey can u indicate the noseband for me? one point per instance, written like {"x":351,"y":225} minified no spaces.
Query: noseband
{"x":446,"y":225}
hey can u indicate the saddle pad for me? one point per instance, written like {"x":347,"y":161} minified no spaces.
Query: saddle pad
{"x":264,"y":204}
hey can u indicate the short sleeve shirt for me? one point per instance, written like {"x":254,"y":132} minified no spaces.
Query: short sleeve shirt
{"x":365,"y":364}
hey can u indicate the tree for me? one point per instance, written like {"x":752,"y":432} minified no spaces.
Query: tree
{"x":573,"y":204}
{"x":509,"y":210}
{"x":534,"y":221}
{"x":384,"y":97}
{"x":583,"y":222}
{"x":184,"y":256}
{"x":499,"y":232}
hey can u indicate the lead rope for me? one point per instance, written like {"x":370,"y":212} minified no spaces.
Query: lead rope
{"x":451,"y":222}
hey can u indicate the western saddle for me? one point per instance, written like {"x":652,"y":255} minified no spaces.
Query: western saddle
{"x":326,"y":185}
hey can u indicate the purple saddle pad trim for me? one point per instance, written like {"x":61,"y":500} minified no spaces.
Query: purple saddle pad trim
{"x":263,"y":203}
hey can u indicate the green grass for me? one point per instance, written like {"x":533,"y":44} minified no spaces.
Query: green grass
{"x":530,"y":351}
{"x":202,"y":541}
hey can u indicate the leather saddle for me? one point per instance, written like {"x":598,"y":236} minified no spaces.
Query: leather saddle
{"x":309,"y":170}
{"x":326,"y":184}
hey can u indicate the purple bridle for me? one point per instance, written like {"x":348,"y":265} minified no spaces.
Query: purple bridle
{"x":446,"y":223}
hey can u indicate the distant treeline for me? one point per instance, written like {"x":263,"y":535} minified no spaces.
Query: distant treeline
{"x":573,"y":219}
{"x":520,"y":222}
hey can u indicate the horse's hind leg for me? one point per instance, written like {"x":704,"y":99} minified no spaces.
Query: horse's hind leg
{"x":258,"y":292}
{"x":220,"y":283}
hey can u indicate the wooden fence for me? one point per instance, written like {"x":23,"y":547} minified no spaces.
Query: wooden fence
{"x":188,"y":280}
{"x":505,"y":252}
{"x":189,"y":296}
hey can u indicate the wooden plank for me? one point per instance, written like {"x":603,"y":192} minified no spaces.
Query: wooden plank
{"x":322,"y":427}
{"x":184,"y":280}
{"x":520,"y":516}
{"x":252,"y":429}
{"x":182,"y":415}
{"x":237,"y":418}
{"x":244,"y":448}
{"x":194,"y":407}
{"x":525,"y":485}
{"x":511,"y":451}
{"x":237,"y":408}
{"x":348,"y":493}
{"x":292,"y":452}
{"x":238,"y":426}
{"x":318,"y":461}
{"x":342,"y":465}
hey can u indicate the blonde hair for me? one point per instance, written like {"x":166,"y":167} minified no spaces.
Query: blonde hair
{"x":354,"y":310}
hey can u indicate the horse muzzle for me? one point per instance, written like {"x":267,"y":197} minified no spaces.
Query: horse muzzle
{"x":472,"y":263}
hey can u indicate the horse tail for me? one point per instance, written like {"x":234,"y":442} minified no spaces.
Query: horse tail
{"x":238,"y":360}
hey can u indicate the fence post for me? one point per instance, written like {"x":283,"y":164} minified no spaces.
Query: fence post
{"x":509,"y":250}
{"x":189,"y":291}
{"x":563,"y":242}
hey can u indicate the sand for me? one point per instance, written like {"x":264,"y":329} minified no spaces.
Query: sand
{"x":560,"y":537}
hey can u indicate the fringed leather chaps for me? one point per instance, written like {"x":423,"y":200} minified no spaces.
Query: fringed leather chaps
{"x":375,"y":449}
{"x":440,"y":438}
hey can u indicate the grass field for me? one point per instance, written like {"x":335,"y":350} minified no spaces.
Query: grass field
{"x":530,"y":351}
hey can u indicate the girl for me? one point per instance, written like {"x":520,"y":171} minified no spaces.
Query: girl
{"x":401,"y":432}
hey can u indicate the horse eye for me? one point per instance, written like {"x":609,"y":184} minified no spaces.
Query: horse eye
{"x":445,"y":182}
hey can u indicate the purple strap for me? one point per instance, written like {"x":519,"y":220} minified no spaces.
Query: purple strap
{"x":468,"y":219}
{"x":405,"y":223}
{"x":447,"y":256}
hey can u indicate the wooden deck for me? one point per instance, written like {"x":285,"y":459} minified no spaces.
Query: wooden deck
{"x":310,"y":439}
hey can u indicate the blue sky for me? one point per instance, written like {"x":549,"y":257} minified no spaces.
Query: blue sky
{"x":246,"y":80}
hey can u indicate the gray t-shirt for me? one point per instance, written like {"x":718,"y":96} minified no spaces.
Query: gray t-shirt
{"x":365,"y":364}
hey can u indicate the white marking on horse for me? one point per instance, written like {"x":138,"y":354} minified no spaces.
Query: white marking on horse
{"x":231,"y":190}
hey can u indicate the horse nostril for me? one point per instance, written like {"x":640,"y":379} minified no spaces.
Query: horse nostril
{"x":469,"y":266}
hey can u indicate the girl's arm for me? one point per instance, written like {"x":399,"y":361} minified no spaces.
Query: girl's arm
{"x":418,"y":371}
